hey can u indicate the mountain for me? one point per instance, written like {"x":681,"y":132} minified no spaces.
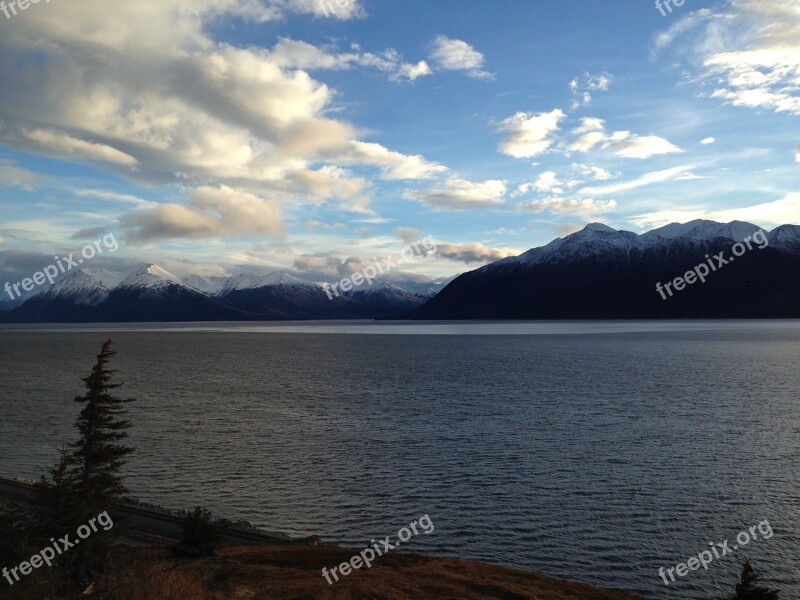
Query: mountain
{"x":149,"y":293}
{"x":387,"y":299}
{"x":71,"y":299}
{"x":602,"y":273}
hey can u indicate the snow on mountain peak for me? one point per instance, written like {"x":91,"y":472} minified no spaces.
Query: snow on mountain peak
{"x":597,"y":239}
{"x":150,"y":276}
{"x":247,"y":281}
{"x":281,"y":278}
{"x":704,"y":230}
{"x":78,"y":282}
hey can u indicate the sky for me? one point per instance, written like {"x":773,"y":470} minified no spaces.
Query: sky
{"x":311,"y":136}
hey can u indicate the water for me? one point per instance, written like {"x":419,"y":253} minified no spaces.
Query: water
{"x":597,"y":452}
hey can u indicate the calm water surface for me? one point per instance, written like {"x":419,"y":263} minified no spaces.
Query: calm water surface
{"x":592,"y":451}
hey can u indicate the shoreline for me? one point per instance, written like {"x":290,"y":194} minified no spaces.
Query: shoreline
{"x":256,"y":560}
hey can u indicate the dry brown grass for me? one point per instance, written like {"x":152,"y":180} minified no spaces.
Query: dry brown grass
{"x":295,"y":573}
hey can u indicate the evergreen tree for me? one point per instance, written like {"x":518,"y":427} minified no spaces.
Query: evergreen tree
{"x":98,"y":456}
{"x":748,"y":588}
{"x":202,"y":534}
{"x":56,"y":502}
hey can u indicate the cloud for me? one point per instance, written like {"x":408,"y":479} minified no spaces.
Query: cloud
{"x":59,"y":143}
{"x":408,"y":234}
{"x":473,"y":253}
{"x":591,"y":133}
{"x":586,"y":207}
{"x":413,"y":71}
{"x":115,"y":197}
{"x":460,"y":194}
{"x":457,"y":55}
{"x":548,"y":182}
{"x":651,"y":178}
{"x":394,"y":165}
{"x":583,"y":86}
{"x":785,"y":210}
{"x":144,"y":91}
{"x":708,"y":141}
{"x":684,"y":25}
{"x":211,"y":212}
{"x":749,"y":52}
{"x":797,"y":154}
{"x":593,"y":172}
{"x":294,"y":54}
{"x":340,"y":9}
{"x":530,"y":134}
{"x":90,"y":233}
{"x":13,"y":175}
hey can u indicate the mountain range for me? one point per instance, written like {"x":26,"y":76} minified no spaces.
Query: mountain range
{"x":602,"y":273}
{"x":596,"y":273}
{"x":149,"y":293}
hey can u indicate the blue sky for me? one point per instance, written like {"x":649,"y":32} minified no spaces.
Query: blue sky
{"x":210,"y":136}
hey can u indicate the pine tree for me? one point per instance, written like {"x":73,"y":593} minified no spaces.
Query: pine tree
{"x":56,"y":502}
{"x":98,"y":456}
{"x":748,"y":588}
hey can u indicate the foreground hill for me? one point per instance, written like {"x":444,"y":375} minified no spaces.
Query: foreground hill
{"x":294,"y":573}
{"x":601,"y":273}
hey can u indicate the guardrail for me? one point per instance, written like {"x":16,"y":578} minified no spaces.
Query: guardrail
{"x":152,"y":524}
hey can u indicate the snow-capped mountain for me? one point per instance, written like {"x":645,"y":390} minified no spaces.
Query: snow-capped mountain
{"x":80,"y":283}
{"x":702,"y":230}
{"x":277,"y":279}
{"x":150,"y":277}
{"x":597,"y":239}
{"x":149,"y":292}
{"x":600,"y":272}
{"x":208,"y":285}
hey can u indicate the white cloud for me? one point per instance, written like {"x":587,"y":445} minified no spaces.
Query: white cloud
{"x":143,"y":90}
{"x":783,"y":211}
{"x":393,"y":164}
{"x":593,"y":172}
{"x":749,"y":51}
{"x":13,"y":175}
{"x":115,"y":197}
{"x":211,"y":212}
{"x":584,"y":85}
{"x":460,"y":194}
{"x":687,"y":23}
{"x":530,"y":134}
{"x":548,"y":182}
{"x":643,"y":181}
{"x":797,"y":154}
{"x":591,"y":133}
{"x":457,"y":55}
{"x":586,"y":208}
{"x":708,"y":141}
{"x":294,"y":54}
{"x":414,"y":71}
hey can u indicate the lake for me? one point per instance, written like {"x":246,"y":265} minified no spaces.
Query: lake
{"x":596,"y":451}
